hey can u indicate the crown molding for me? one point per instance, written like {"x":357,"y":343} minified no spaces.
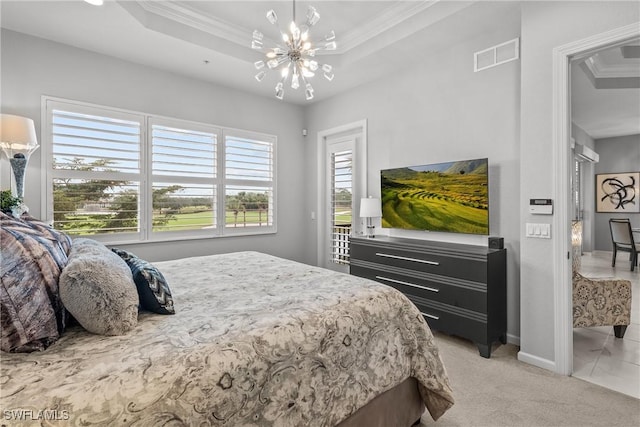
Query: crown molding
{"x":186,"y":15}
{"x":601,"y":70}
{"x":394,"y":15}
{"x":189,"y":16}
{"x":625,"y":81}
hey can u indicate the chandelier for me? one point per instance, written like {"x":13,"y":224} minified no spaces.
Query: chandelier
{"x":296,"y":57}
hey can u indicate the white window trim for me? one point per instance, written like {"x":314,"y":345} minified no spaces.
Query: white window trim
{"x":145,"y":178}
{"x":156,"y":236}
{"x":239,"y":231}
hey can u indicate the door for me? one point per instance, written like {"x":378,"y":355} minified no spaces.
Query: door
{"x":342,"y":179}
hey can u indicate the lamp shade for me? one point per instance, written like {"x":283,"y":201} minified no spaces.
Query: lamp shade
{"x":18,"y":140}
{"x":370,"y":208}
{"x":17,"y":135}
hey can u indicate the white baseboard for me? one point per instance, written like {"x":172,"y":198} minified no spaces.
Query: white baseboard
{"x":513,"y":339}
{"x":537,"y":361}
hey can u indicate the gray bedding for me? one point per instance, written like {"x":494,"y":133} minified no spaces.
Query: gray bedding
{"x":256,"y":341}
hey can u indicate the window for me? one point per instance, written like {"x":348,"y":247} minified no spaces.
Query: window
{"x":248,"y":182}
{"x":95,"y":171}
{"x":184,"y":185}
{"x":123,"y":176}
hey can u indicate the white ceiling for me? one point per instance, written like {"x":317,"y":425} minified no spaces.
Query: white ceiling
{"x":210,"y":41}
{"x":180,"y":36}
{"x":605,"y":93}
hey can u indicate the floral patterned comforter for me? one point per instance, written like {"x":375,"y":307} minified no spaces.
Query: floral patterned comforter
{"x":256,"y":341}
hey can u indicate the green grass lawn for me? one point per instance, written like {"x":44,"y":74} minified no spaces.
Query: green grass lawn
{"x":197,"y":220}
{"x":187,"y":221}
{"x":250,"y":217}
{"x":90,"y":224}
{"x":343,"y":218}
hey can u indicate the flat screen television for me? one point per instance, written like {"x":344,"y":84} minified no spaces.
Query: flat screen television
{"x":449,"y":197}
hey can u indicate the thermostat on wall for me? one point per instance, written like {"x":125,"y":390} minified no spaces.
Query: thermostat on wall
{"x":540,"y":206}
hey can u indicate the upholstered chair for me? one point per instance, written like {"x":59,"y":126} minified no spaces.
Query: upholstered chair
{"x":601,"y":302}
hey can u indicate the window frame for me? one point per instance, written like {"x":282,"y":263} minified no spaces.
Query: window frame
{"x":146,"y":177}
{"x":243,"y":134}
{"x":185,"y":234}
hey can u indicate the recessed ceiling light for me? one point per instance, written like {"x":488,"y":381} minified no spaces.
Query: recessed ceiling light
{"x":95,"y":2}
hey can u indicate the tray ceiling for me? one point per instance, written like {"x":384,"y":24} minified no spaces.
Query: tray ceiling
{"x":210,"y":41}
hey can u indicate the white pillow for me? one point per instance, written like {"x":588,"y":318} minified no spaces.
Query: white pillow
{"x":96,"y":287}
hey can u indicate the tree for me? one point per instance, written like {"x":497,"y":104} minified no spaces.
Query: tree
{"x":343,"y":199}
{"x":247,"y":201}
{"x":125,"y":206}
{"x":70,"y":196}
{"x":161,"y":199}
{"x":89,"y":190}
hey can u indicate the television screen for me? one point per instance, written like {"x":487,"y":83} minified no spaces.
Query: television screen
{"x":450,"y":197}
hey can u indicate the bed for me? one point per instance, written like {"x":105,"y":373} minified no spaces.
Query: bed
{"x":256,"y":340}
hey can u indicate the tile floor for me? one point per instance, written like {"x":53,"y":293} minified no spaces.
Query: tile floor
{"x":598,"y":356}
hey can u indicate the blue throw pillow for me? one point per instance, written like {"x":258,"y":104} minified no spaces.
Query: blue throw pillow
{"x":153,"y":288}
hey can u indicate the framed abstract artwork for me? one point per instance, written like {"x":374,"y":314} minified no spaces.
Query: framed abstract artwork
{"x":618,"y":192}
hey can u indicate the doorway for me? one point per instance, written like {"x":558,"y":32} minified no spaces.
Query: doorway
{"x":342,"y":173}
{"x":339,"y":170}
{"x":605,"y":117}
{"x":563,"y":161}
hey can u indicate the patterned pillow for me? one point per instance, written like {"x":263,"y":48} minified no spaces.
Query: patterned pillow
{"x":97,"y":288}
{"x":33,"y":255}
{"x":153,"y":288}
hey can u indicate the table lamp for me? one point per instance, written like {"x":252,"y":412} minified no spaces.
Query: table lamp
{"x":18,"y":140}
{"x":370,"y":208}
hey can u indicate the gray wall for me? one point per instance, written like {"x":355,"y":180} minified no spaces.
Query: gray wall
{"x":545,"y":26}
{"x":32,"y":67}
{"x":437,"y":111}
{"x":621,"y":154}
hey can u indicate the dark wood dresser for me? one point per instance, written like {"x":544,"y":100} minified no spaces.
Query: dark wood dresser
{"x":460,"y":289}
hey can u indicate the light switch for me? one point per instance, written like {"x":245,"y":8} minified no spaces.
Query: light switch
{"x":538,"y":231}
{"x":546,"y":228}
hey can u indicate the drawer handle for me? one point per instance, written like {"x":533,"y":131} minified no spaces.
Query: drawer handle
{"x":430,"y":316}
{"x":400,"y":282}
{"x":407,"y":258}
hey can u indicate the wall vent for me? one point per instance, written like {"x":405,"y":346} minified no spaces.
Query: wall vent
{"x":496,"y":55}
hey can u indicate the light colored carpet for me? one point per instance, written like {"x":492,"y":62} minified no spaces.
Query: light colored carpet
{"x":503,"y":391}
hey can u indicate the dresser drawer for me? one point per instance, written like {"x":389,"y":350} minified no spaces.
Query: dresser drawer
{"x":453,"y":291}
{"x":429,"y":262}
{"x":452,"y":320}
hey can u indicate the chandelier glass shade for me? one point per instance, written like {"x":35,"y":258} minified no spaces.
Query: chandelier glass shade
{"x":296,"y":58}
